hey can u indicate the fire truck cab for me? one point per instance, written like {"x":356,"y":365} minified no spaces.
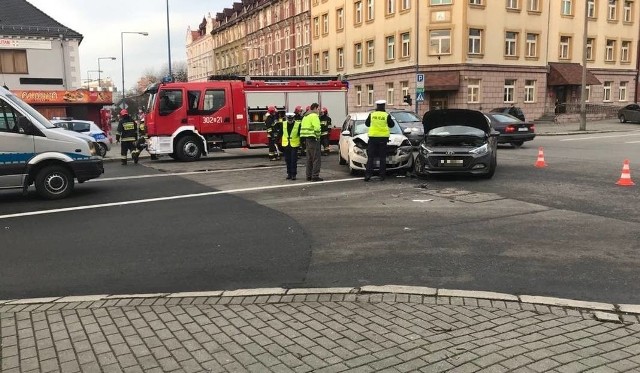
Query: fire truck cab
{"x":187,"y":120}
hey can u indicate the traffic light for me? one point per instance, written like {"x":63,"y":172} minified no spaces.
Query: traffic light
{"x":408,"y":99}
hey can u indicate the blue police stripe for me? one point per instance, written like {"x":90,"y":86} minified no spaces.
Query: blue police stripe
{"x":13,"y":158}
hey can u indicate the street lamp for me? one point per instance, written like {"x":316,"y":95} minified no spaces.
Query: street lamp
{"x":102,"y":58}
{"x":169,"y":40}
{"x":143,"y":33}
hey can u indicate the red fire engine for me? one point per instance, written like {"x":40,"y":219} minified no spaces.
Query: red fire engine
{"x":186,"y":120}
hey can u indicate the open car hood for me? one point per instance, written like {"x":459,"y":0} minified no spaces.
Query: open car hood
{"x":455,"y":117}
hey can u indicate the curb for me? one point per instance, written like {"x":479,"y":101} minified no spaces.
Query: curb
{"x":607,"y":312}
{"x":578,"y":132}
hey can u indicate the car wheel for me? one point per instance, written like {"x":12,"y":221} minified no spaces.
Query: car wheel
{"x":54,"y":182}
{"x":102,"y":149}
{"x":417,"y":167}
{"x":622,"y":119}
{"x":341,"y":161}
{"x":517,"y":144}
{"x":188,"y":149}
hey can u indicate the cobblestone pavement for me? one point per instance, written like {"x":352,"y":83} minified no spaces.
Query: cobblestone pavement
{"x":340,"y":330}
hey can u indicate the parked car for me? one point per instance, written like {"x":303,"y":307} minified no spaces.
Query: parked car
{"x":511,"y":110}
{"x":512,"y":130}
{"x":409,"y":121}
{"x":353,"y":146}
{"x":629,"y":113}
{"x":86,"y":127}
{"x":457,"y":141}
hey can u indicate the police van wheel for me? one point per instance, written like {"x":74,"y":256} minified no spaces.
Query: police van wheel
{"x":188,"y":149}
{"x":102,"y":149}
{"x":54,"y":182}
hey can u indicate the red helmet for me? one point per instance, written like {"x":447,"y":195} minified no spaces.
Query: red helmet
{"x":298,"y":109}
{"x":271,"y":109}
{"x":124,"y":112}
{"x":308,"y":108}
{"x":325,"y":111}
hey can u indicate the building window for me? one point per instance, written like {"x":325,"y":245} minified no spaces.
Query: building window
{"x":340,"y":19}
{"x":566,"y":7}
{"x":625,"y":47}
{"x":391,"y":47}
{"x":565,"y":48}
{"x":358,"y":54}
{"x":406,"y":4}
{"x":391,"y":6}
{"x":404,"y":86}
{"x":406,"y":44}
{"x":607,"y":92}
{"x":512,"y":4}
{"x":357,"y":12}
{"x":473,"y":91}
{"x":325,"y":61}
{"x":371,"y":10}
{"x":390,"y":91}
{"x":340,"y":55}
{"x":533,"y":5}
{"x":370,"y":94}
{"x":590,"y":42}
{"x":610,"y":51}
{"x":587,"y":93}
{"x":370,"y":51}
{"x":358,"y":95}
{"x":440,"y":42}
{"x":325,"y":24}
{"x":532,"y":45}
{"x":475,"y":2}
{"x":475,"y":41}
{"x":511,"y":44}
{"x":591,"y":8}
{"x":316,"y":27}
{"x":626,"y":11}
{"x":13,"y":62}
{"x":509,"y":90}
{"x":622,"y":93}
{"x":612,"y":10}
{"x":441,"y":2}
{"x":529,"y":91}
{"x":316,"y":63}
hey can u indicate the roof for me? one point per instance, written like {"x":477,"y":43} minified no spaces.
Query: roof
{"x":20,"y":18}
{"x":567,"y":73}
{"x":442,"y":81}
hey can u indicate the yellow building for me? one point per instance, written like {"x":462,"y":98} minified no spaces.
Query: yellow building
{"x":200,"y":51}
{"x":478,"y":54}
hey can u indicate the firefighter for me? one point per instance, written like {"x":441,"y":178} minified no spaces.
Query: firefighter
{"x":379,"y":122}
{"x":299,"y":114}
{"x":325,"y":125}
{"x":127,"y":136}
{"x":270,"y":123}
{"x":310,"y":132}
{"x":291,"y":143}
{"x":141,"y":144}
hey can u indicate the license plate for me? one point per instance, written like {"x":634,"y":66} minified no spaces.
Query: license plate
{"x":523,"y":129}
{"x":452,"y":162}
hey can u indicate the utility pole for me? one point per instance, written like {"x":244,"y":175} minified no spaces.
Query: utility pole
{"x":583,"y":91}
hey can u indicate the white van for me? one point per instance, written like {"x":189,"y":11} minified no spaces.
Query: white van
{"x":34,"y":151}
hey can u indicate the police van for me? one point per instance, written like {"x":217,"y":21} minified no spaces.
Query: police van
{"x":34,"y":151}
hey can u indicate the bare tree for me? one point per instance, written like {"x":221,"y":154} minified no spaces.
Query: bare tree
{"x":178,"y":70}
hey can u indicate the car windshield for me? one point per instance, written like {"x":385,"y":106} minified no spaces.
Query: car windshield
{"x":405,"y":116}
{"x":504,"y":118}
{"x":81,"y":126}
{"x":456,"y":131}
{"x":361,"y":128}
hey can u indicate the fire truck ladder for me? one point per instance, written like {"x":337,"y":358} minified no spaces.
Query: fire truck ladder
{"x":278,"y":78}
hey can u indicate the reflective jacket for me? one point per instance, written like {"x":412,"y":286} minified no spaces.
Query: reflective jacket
{"x":310,"y":126}
{"x":291,"y":133}
{"x":127,"y":130}
{"x":379,"y":126}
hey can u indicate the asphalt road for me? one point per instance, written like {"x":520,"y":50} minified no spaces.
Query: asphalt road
{"x":233,"y":222}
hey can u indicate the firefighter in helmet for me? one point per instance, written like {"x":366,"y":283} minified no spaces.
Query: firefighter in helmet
{"x":271,"y":125}
{"x":299,"y":114}
{"x":325,"y":125}
{"x":141,"y":144}
{"x":127,"y":136}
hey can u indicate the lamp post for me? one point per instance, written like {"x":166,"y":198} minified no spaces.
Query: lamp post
{"x":169,"y":40}
{"x":583,"y":90}
{"x":143,"y":33}
{"x":102,"y":58}
{"x":89,"y":80}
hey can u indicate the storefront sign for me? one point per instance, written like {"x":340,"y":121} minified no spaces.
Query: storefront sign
{"x":80,"y":96}
{"x":24,"y":44}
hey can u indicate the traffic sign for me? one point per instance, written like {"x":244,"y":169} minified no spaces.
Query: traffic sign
{"x":420,"y":90}
{"x":420,"y":96}
{"x":419,"y":80}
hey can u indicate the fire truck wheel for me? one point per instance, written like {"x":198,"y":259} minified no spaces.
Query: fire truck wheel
{"x":188,"y":149}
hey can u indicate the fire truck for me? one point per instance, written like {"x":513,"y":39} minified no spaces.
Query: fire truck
{"x":189,"y":119}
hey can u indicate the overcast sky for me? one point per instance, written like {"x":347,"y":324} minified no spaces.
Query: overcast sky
{"x":101,"y":22}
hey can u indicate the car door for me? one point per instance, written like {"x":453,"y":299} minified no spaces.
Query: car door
{"x":634,"y":113}
{"x":16,"y":147}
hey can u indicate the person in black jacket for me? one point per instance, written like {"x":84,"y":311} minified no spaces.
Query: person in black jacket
{"x":127,"y":136}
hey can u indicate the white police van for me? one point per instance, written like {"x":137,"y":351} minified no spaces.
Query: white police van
{"x":34,"y":151}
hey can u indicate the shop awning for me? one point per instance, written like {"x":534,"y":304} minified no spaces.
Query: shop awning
{"x":568,"y":74}
{"x":442,"y":81}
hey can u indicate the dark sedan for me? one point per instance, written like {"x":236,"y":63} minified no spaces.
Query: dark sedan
{"x":511,"y":110}
{"x":512,"y":130}
{"x":629,"y":113}
{"x":410,"y":123}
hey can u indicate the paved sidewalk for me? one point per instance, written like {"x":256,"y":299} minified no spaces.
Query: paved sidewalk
{"x":601,"y":126}
{"x":370,"y":329}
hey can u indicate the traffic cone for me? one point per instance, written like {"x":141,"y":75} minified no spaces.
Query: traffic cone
{"x":540,"y":162}
{"x":625,"y":178}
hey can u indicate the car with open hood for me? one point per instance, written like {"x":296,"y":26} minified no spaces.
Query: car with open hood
{"x":457,"y":141}
{"x":353,"y":146}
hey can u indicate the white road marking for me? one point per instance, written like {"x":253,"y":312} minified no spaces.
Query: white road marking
{"x":184,"y":196}
{"x":632,"y":142}
{"x":182,"y":173}
{"x":636,"y":133}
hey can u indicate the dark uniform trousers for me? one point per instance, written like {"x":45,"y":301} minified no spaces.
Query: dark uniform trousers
{"x":291,"y":159}
{"x":313,"y":157}
{"x":377,"y":149}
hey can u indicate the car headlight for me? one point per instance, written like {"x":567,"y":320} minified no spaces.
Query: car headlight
{"x":92,"y":147}
{"x":359,"y":151}
{"x":424,"y":149}
{"x":484,"y":149}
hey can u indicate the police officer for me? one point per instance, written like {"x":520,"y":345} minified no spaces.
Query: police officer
{"x":379,"y":122}
{"x":127,"y":136}
{"x":270,"y":123}
{"x":325,"y":125}
{"x":310,"y":132}
{"x":291,"y":143}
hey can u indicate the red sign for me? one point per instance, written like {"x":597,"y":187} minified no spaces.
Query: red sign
{"x":80,"y":96}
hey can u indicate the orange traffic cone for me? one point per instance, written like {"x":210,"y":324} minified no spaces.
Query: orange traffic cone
{"x":625,"y":178}
{"x":540,"y":162}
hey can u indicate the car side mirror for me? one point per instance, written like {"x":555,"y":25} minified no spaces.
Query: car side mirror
{"x":345,"y":133}
{"x":406,"y":131}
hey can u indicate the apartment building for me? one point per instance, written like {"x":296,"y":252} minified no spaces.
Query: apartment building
{"x":478,"y":54}
{"x":200,"y":50}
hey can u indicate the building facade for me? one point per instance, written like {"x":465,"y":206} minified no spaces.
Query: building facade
{"x":200,"y":51}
